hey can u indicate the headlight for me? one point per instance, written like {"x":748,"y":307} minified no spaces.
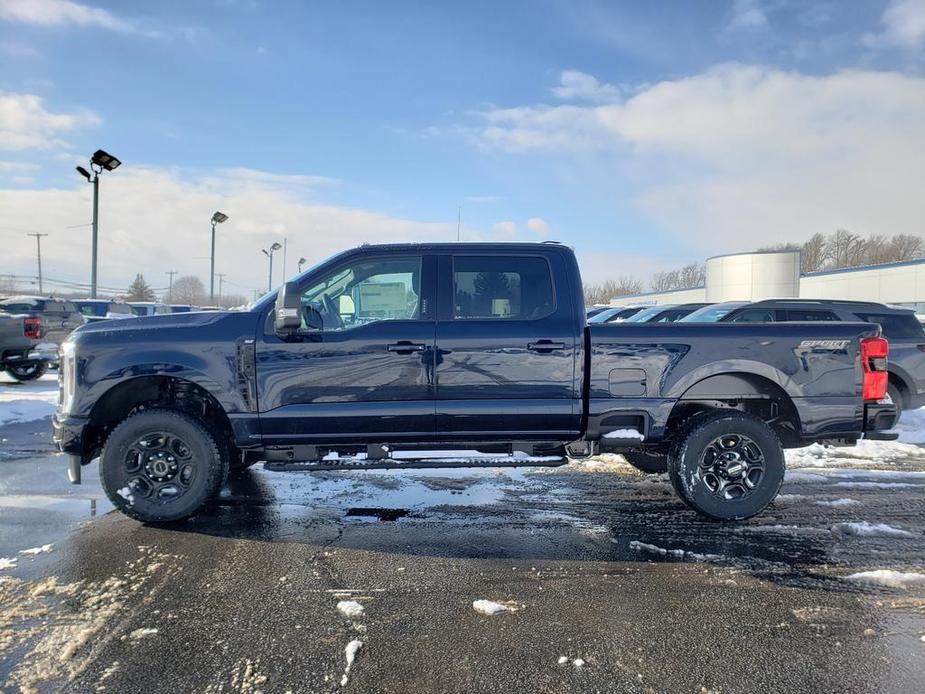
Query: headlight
{"x":68,"y":375}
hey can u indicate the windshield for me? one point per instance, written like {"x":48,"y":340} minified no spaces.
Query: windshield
{"x":614,"y":314}
{"x":712,"y":314}
{"x":648,"y":313}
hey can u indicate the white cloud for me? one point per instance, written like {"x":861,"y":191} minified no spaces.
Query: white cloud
{"x":903,"y":26}
{"x":26,"y":124}
{"x":740,"y":156}
{"x":17,"y":166}
{"x":59,"y":13}
{"x":153,"y":220}
{"x":580,"y":86}
{"x":507,"y":231}
{"x":538,"y":226}
{"x":746,"y":15}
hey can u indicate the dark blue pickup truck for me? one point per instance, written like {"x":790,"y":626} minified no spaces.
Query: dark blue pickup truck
{"x":382,"y":351}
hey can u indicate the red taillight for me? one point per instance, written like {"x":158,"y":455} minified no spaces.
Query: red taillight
{"x":874,"y":353}
{"x":33,"y":328}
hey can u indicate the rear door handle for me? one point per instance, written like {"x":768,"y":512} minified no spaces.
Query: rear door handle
{"x":545,"y":346}
{"x":405,"y":347}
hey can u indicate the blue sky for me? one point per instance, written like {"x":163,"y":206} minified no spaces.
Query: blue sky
{"x":644,"y":134}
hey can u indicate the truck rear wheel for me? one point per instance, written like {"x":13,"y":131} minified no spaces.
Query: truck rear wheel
{"x":161,"y":465}
{"x":650,"y":463}
{"x":727,"y":466}
{"x":27,"y":370}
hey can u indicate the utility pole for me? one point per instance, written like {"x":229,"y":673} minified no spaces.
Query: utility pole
{"x":285,"y":245}
{"x":221,"y":281}
{"x":38,"y":250}
{"x":170,"y":274}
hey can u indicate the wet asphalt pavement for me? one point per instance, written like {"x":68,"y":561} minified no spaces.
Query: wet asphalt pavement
{"x":243,"y":597}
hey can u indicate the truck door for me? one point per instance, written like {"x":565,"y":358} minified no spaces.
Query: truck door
{"x":360,"y":369}
{"x":506,"y":348}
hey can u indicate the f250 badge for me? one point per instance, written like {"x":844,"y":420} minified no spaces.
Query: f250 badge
{"x":824,"y":344}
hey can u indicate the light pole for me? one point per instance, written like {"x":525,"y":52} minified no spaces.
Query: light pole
{"x":99,"y":162}
{"x":217,"y":218}
{"x":38,"y":250}
{"x":302,"y":262}
{"x":269,"y":254}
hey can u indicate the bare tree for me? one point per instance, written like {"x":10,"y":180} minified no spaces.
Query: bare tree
{"x":187,"y":290}
{"x":812,"y":254}
{"x":906,"y":247}
{"x":693,"y":275}
{"x":604,"y":292}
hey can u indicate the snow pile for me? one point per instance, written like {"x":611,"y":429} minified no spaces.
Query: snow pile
{"x":7,"y":563}
{"x":866,"y":451}
{"x":142,"y":633}
{"x":911,"y":427}
{"x":44,"y":549}
{"x":889,"y":577}
{"x":638,"y":546}
{"x":491,"y":607}
{"x":839,"y":503}
{"x":351,"y":653}
{"x":126,"y":493}
{"x":865,"y":529}
{"x":625,"y":434}
{"x":350,"y":608}
{"x":26,"y":402}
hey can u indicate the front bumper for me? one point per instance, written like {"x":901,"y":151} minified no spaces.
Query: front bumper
{"x":68,"y":433}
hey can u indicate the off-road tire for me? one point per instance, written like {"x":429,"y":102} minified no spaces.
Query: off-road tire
{"x":691,"y":481}
{"x":27,"y":371}
{"x":210,"y":467}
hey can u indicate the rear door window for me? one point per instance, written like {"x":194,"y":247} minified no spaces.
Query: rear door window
{"x":809,"y":315}
{"x":502,"y":287}
{"x":896,"y":325}
{"x":755,"y":315}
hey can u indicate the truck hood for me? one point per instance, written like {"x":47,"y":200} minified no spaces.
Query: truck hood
{"x":147,"y":323}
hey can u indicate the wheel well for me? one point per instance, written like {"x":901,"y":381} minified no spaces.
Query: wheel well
{"x":157,"y":391}
{"x":744,"y":392}
{"x":898,"y":381}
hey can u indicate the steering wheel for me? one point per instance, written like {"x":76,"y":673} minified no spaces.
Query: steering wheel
{"x":330,"y":308}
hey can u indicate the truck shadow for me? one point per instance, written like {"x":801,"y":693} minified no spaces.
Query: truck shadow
{"x":548,"y":516}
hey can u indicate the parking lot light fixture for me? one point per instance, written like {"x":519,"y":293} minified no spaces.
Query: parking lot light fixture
{"x":302,"y":262}
{"x":217,"y":218}
{"x":269,"y":254}
{"x":99,"y":162}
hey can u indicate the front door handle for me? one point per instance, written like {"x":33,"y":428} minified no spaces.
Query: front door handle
{"x":545,"y":346}
{"x":405,"y":347}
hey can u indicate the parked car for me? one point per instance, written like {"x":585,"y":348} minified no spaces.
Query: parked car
{"x":594,"y":310}
{"x":438,"y":346}
{"x":665,"y":313}
{"x":149,"y":308}
{"x":103,"y":309}
{"x":900,"y":326}
{"x":57,"y":318}
{"x":615,"y":315}
{"x":183,"y":308}
{"x":712,"y":313}
{"x":23,"y":355}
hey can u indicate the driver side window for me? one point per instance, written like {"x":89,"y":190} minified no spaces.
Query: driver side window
{"x":363,"y":292}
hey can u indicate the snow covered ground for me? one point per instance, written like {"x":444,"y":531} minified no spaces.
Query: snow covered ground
{"x":26,"y":402}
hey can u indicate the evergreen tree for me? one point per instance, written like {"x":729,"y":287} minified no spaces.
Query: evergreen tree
{"x":139,"y":290}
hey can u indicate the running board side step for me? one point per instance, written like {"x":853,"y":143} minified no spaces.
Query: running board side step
{"x":411,"y":463}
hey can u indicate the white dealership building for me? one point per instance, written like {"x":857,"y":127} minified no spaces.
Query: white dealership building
{"x":776,"y":275}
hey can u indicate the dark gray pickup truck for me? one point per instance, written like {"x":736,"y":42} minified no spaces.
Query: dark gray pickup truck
{"x":398,"y":348}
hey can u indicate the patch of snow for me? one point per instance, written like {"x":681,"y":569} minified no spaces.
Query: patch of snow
{"x":911,"y":426}
{"x":350,"y":652}
{"x":625,"y":434}
{"x":491,"y":607}
{"x":563,"y":659}
{"x":578,"y":662}
{"x":638,"y":546}
{"x":839,"y":503}
{"x":876,"y":485}
{"x":142,"y":633}
{"x":7,"y":563}
{"x":37,"y":550}
{"x":126,"y":493}
{"x":796,"y":477}
{"x":889,"y":577}
{"x":350,"y":608}
{"x":28,"y":401}
{"x":865,"y":529}
{"x":25,"y":410}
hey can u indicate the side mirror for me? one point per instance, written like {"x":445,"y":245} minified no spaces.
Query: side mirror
{"x":288,"y":305}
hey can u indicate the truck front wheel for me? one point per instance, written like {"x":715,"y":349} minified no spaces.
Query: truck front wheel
{"x":727,"y":466}
{"x":161,"y":465}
